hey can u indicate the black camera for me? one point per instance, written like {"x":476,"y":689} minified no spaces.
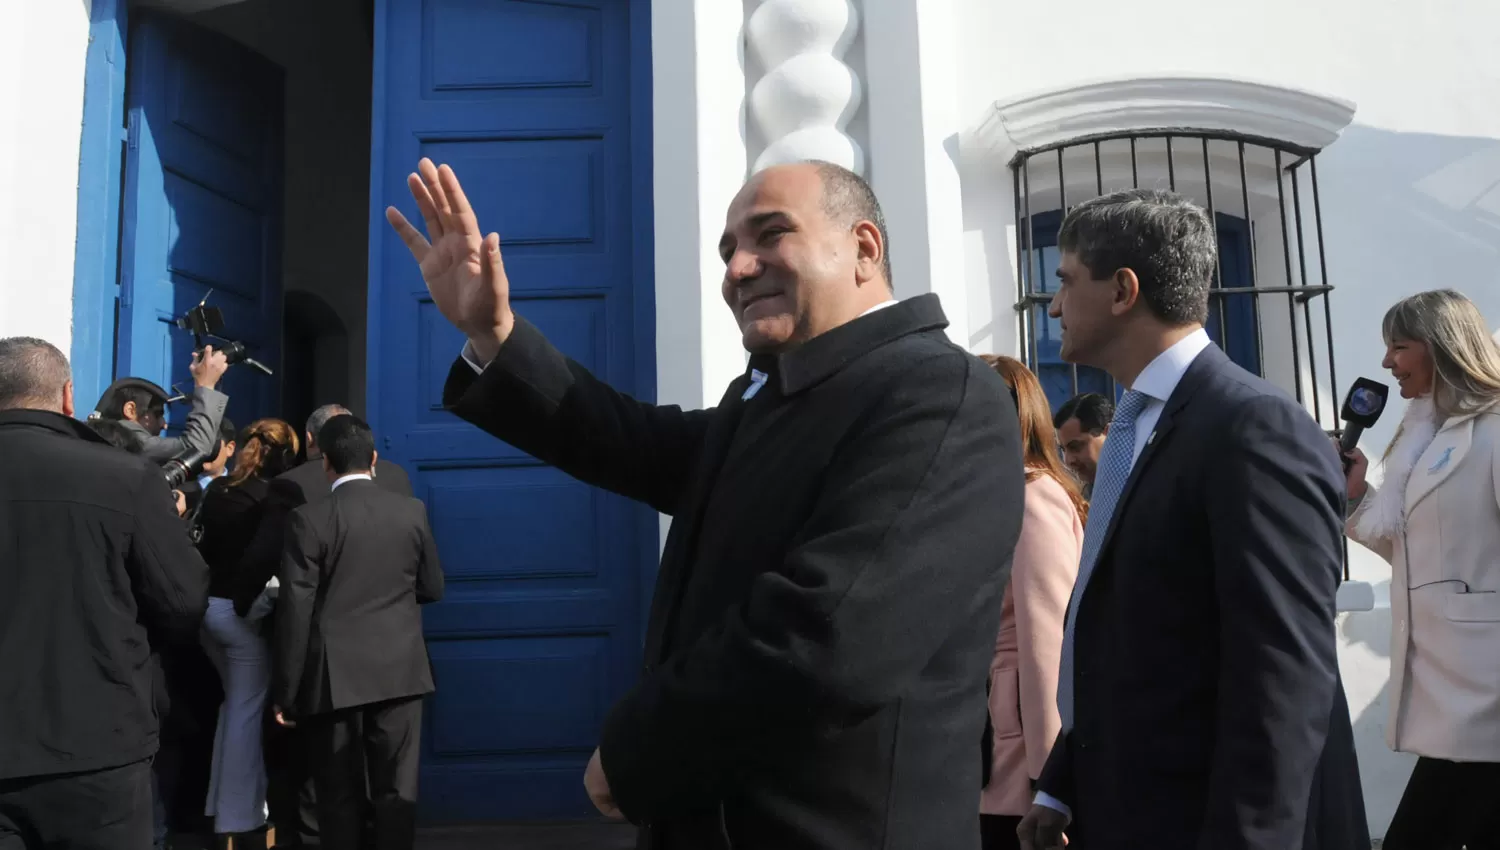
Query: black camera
{"x":205,"y":322}
{"x":187,"y":465}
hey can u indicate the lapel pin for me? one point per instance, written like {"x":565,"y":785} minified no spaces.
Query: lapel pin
{"x":1441,"y":462}
{"x":757,"y":380}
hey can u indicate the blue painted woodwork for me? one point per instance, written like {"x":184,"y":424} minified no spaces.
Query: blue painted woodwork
{"x":543,"y":109}
{"x":1237,"y":313}
{"x":96,"y":279}
{"x":202,"y":207}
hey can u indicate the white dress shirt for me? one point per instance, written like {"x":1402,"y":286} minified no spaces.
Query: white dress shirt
{"x":1157,"y":382}
{"x":344,"y":479}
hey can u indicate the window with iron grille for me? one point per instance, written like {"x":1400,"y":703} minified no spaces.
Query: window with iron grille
{"x":1268,"y":308}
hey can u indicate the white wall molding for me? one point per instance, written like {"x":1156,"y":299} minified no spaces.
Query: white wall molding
{"x":1276,"y":113}
{"x":803,"y":103}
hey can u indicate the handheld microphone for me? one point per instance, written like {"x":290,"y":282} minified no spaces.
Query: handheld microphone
{"x":1362,"y":407}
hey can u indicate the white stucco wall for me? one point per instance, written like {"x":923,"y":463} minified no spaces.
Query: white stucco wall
{"x":42,"y":50}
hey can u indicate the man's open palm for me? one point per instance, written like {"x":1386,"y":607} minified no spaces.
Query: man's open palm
{"x":462,"y":269}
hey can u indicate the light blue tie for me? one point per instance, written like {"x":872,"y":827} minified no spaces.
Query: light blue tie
{"x":1115,"y":462}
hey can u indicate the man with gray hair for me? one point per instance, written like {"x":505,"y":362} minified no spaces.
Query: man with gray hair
{"x":98,"y":573}
{"x":1199,"y":688}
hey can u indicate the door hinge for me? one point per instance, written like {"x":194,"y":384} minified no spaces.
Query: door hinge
{"x":133,"y":129}
{"x":387,"y":443}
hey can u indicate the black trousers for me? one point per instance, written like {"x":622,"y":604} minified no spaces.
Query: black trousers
{"x":100,"y":810}
{"x":1448,"y":805}
{"x":998,"y":832}
{"x":290,"y":793}
{"x":374,"y":747}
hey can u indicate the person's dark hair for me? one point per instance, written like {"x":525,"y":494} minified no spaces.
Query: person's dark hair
{"x":117,"y":435}
{"x":1163,"y":237}
{"x":848,"y":200}
{"x":32,"y":374}
{"x":348,"y":444}
{"x":1092,"y":410}
{"x":226,"y":434}
{"x":320,"y":417}
{"x":145,"y":401}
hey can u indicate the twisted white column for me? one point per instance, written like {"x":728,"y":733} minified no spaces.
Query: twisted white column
{"x":807,"y":96}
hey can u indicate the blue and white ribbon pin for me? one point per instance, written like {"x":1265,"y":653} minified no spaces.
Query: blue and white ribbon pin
{"x":757,"y":380}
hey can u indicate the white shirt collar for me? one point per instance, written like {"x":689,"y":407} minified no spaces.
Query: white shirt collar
{"x":881,"y":306}
{"x":1162,"y":375}
{"x":350,"y":477}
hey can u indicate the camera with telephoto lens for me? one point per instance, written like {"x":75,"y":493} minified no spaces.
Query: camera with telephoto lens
{"x":187,"y":465}
{"x":205,"y":322}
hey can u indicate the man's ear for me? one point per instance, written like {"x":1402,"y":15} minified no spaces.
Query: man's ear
{"x":1127,"y":291}
{"x":129,"y":411}
{"x":869,"y":263}
{"x":374,"y":459}
{"x":67,"y":399}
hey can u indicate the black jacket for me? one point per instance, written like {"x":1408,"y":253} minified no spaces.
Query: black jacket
{"x":356,"y":567}
{"x":828,"y":599}
{"x":97,"y":569}
{"x":230,"y":517}
{"x":306,"y":482}
{"x":1206,"y":675}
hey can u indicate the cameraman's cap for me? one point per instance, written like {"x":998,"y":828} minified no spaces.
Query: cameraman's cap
{"x":107,"y":400}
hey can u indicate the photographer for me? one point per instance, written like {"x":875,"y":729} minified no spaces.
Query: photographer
{"x":98,"y":573}
{"x":142,"y":406}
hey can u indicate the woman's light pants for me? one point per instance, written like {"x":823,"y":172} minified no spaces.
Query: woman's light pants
{"x":237,"y":783}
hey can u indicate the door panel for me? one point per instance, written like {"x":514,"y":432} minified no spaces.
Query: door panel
{"x":530,"y":103}
{"x":202,"y":207}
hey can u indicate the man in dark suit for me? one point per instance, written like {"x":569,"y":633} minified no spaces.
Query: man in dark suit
{"x":351,"y":664}
{"x":843,"y":522}
{"x":96,"y":572}
{"x":309,"y":478}
{"x":1198,"y":674}
{"x":292,"y":792}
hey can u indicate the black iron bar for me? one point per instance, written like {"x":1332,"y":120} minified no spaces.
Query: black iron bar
{"x":1062,"y":204}
{"x":1098,"y":171}
{"x":1021,"y":292}
{"x":1208,"y":188}
{"x":1312,"y":347}
{"x":1135,"y":177}
{"x":1260,"y":340}
{"x":1171,"y":170}
{"x":1333,"y":376}
{"x":1040,"y":297}
{"x":1030,"y":247}
{"x":1291,"y":308}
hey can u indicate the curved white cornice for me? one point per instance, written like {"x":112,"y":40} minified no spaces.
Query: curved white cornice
{"x":1273,"y":113}
{"x":803,"y":103}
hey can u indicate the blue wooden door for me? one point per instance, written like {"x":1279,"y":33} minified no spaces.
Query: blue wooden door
{"x":542,"y":109}
{"x":201,"y":208}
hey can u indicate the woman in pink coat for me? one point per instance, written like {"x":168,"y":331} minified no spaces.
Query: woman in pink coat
{"x":1023,"y":675}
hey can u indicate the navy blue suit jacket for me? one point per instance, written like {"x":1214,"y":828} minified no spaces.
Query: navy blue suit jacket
{"x":1205,"y":675}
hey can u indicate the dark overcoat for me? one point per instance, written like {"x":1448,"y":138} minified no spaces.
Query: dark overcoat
{"x":830,"y":590}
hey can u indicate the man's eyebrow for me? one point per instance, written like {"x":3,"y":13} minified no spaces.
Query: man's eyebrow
{"x":761,"y":219}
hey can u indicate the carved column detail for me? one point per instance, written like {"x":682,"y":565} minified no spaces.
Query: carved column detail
{"x":803,"y":102}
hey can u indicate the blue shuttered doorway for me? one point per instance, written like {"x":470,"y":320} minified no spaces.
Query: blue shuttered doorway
{"x":543,"y":109}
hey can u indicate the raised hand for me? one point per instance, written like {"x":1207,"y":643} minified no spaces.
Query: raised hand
{"x":462,"y":269}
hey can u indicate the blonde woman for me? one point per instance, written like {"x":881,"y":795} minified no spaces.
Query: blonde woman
{"x":1436,"y":519}
{"x":1023,"y":676}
